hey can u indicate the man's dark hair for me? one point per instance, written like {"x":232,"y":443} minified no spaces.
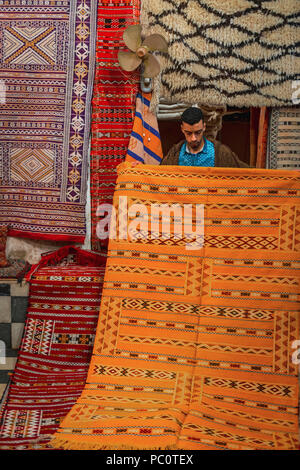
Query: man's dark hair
{"x":192,"y":116}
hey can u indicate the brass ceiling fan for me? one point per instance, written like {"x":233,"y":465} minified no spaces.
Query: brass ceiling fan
{"x":140,"y":51}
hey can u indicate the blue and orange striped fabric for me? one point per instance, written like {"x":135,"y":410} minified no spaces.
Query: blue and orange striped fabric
{"x":145,"y":144}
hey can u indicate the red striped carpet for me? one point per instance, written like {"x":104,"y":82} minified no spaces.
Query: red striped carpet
{"x":56,"y":348}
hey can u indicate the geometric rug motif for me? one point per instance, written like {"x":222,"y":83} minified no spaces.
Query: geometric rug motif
{"x":241,"y":53}
{"x":195,"y":348}
{"x":113,"y":105}
{"x":54,"y":355}
{"x":145,"y":144}
{"x":47,"y":66}
{"x":284,"y":139}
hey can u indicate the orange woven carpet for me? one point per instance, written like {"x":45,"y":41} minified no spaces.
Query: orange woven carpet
{"x":195,"y":344}
{"x":113,"y":105}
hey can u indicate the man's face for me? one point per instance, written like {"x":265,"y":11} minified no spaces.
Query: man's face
{"x":193,"y":135}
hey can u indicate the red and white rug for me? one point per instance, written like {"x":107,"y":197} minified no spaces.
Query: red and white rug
{"x":55,"y":352}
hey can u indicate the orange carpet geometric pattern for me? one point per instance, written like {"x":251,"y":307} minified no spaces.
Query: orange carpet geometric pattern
{"x":195,"y":344}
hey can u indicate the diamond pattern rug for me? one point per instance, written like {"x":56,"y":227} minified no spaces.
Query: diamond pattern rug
{"x":47,"y":71}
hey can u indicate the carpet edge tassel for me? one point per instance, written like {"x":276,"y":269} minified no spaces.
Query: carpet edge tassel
{"x":65,"y":444}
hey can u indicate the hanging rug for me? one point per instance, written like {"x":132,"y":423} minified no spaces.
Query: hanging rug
{"x":197,"y":335}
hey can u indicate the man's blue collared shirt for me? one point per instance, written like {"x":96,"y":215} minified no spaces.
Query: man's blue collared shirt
{"x":204,"y":158}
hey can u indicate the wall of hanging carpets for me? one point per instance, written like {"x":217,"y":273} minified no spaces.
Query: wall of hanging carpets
{"x":113,"y":103}
{"x":53,"y":359}
{"x":194,"y":344}
{"x":284,"y":138}
{"x":241,"y":53}
{"x":47,"y":70}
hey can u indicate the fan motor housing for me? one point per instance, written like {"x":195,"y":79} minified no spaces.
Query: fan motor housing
{"x":142,"y":51}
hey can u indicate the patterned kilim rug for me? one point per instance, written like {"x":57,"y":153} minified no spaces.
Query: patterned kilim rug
{"x":239,"y":53}
{"x":113,"y":104}
{"x":284,"y":139}
{"x":47,"y":69}
{"x":195,"y":344}
{"x":55,"y":352}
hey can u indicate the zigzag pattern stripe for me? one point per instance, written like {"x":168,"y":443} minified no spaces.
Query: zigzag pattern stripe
{"x":236,"y":53}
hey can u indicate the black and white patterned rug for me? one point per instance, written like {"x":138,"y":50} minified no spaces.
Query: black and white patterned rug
{"x":241,"y":53}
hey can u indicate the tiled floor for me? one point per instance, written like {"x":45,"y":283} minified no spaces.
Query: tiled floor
{"x":13,"y":307}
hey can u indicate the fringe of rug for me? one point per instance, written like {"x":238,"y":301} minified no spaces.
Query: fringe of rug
{"x":61,"y":443}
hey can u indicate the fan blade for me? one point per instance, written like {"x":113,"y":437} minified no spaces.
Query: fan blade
{"x":156,"y":42}
{"x":132,"y":37}
{"x":128,"y":60}
{"x":151,"y":66}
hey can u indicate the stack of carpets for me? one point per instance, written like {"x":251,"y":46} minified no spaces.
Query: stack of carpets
{"x":196,"y":345}
{"x":113,"y":104}
{"x":55,"y":352}
{"x":47,"y":71}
